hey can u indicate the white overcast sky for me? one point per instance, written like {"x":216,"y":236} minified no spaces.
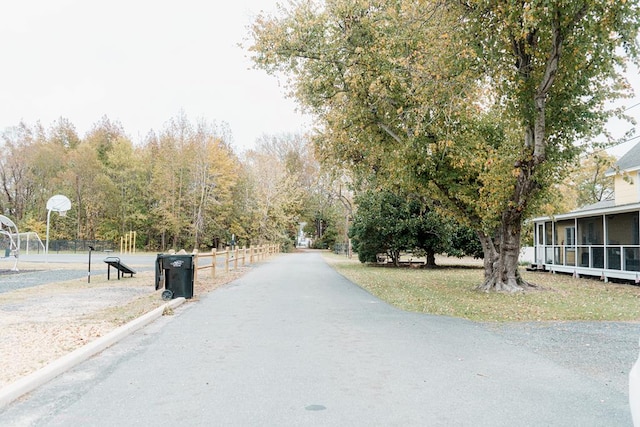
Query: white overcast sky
{"x":139,"y":62}
{"x":618,"y":128}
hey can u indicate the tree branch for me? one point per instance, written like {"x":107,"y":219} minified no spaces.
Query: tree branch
{"x":391,"y":133}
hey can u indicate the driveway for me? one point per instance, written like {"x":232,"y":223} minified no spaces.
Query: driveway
{"x":293,"y":343}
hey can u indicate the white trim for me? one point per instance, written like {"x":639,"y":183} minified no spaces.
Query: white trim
{"x":614,"y":172}
{"x":595,"y":212}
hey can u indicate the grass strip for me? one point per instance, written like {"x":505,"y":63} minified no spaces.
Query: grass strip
{"x":450,"y":291}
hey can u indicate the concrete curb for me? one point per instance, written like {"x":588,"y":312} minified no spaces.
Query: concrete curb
{"x":32,"y":381}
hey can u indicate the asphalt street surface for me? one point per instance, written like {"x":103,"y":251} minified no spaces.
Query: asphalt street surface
{"x":27,"y":277}
{"x":293,"y":343}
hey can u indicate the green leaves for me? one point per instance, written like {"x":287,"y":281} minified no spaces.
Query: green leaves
{"x":391,"y":223}
{"x":476,"y":104}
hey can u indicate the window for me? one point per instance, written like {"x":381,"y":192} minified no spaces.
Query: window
{"x":540,"y":234}
{"x":570,"y":236}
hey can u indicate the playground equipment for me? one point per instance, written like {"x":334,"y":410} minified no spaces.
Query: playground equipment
{"x":30,"y":242}
{"x":9,"y":231}
{"x":128,"y":243}
{"x":121,"y":268}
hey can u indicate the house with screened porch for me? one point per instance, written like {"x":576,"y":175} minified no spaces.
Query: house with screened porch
{"x":602,"y":239}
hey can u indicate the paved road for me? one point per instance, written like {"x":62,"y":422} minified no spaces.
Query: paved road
{"x":293,"y":343}
{"x":49,"y":271}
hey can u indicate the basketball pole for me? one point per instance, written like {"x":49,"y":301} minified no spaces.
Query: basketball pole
{"x":60,"y":204}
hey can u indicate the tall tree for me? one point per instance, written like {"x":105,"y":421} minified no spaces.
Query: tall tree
{"x":89,"y":189}
{"x":214,"y":176}
{"x":476,"y":103}
{"x":172,"y":156}
{"x":393,"y":223}
{"x":17,"y":187}
{"x":553,"y":66}
{"x":278,"y":173}
{"x":63,"y":134}
{"x":590,"y":179}
{"x":128,"y":169}
{"x":193,"y":172}
{"x":30,"y":169}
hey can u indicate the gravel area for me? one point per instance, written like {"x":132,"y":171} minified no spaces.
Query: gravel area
{"x":49,"y":310}
{"x":46,"y":313}
{"x":12,"y":280}
{"x":603,"y":351}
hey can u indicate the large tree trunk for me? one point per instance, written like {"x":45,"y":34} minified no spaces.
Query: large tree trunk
{"x":501,"y":266}
{"x":395,"y":257}
{"x":430,"y":259}
{"x":503,"y":250}
{"x":501,"y":261}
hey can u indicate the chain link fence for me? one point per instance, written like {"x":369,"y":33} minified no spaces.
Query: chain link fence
{"x":75,"y":246}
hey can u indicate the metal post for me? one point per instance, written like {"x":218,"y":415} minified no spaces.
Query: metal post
{"x":46,"y":249}
{"x":214,"y":258}
{"x":91,"y":249}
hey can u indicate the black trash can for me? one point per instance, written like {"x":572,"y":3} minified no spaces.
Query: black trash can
{"x":177,"y":272}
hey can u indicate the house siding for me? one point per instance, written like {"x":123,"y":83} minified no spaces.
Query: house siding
{"x":626,"y":189}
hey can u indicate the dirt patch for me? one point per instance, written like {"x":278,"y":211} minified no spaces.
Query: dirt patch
{"x":42,"y":323}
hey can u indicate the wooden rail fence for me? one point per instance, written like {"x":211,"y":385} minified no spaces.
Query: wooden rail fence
{"x":232,"y":258}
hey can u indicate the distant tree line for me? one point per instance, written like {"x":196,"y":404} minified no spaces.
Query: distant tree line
{"x":181,"y":187}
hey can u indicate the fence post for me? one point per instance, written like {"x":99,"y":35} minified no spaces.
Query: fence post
{"x":244,"y":254}
{"x":235,"y":258}
{"x":214,"y":257}
{"x":226,"y":264}
{"x":195,"y":264}
{"x":251,"y":254}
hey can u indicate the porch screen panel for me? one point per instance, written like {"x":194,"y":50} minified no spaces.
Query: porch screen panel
{"x":598,"y":257}
{"x":590,"y":236}
{"x":548,"y":237}
{"x":565,"y":249}
{"x":632,"y":259}
{"x":623,"y":251}
{"x":621,"y":227}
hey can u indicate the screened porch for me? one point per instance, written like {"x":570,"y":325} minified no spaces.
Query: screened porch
{"x":606,"y":245}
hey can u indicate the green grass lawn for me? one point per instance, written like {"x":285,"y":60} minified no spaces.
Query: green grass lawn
{"x":449,"y":290}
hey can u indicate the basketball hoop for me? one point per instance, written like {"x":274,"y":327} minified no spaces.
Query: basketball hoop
{"x":60,"y":204}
